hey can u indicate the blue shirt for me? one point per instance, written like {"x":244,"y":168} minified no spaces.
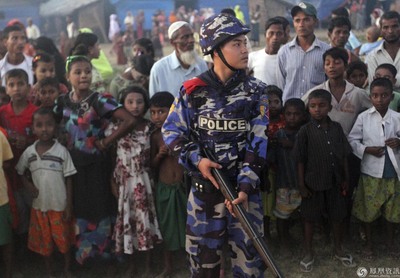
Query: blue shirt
{"x":167,"y":74}
{"x":298,"y":71}
{"x":353,"y":42}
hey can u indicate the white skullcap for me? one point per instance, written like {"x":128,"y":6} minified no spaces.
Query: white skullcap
{"x":175,"y":27}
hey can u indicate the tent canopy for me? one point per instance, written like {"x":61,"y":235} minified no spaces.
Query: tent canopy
{"x":62,"y":7}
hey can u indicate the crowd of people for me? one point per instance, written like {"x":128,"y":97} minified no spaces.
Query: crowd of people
{"x":98,"y":168}
{"x":122,"y":35}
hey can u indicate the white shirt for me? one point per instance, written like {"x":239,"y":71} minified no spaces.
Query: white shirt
{"x":367,"y":132}
{"x":345,"y":111}
{"x":32,"y":32}
{"x":167,"y":74}
{"x":26,"y":65}
{"x":129,"y":19}
{"x":48,"y":174}
{"x":380,"y":56}
{"x":264,"y":66}
{"x":71,"y":30}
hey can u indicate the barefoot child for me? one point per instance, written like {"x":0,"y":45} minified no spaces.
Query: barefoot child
{"x":288,"y":196}
{"x":171,"y":197}
{"x":136,"y":227}
{"x":375,"y":139}
{"x":51,"y":167}
{"x":6,"y":245}
{"x":321,"y":151}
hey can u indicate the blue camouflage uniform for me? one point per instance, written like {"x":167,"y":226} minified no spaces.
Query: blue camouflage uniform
{"x":231,"y":121}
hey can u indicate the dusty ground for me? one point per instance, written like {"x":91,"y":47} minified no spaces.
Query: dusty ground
{"x":31,"y":265}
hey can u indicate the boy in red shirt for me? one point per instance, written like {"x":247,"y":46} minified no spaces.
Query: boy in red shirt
{"x":16,"y":118}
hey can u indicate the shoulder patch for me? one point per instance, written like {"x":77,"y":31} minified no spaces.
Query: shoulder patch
{"x":192,"y":84}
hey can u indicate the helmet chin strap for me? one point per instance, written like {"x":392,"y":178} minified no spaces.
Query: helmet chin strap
{"x":221,"y":56}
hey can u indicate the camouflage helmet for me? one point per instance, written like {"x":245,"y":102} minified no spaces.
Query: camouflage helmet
{"x":218,"y":29}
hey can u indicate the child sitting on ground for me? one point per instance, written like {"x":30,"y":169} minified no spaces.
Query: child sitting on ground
{"x":375,"y":139}
{"x":51,"y":168}
{"x":171,"y":197}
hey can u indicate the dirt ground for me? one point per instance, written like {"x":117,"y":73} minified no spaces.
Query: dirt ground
{"x":32,"y":266}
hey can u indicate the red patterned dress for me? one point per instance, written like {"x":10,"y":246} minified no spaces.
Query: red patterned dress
{"x":136,"y":226}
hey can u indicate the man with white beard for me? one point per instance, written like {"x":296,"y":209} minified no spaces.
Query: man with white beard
{"x":170,"y":72}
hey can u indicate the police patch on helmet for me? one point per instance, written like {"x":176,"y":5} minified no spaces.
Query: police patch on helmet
{"x":264,"y":110}
{"x":223,"y":125}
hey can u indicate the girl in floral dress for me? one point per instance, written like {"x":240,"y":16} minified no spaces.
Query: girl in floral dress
{"x":136,"y":227}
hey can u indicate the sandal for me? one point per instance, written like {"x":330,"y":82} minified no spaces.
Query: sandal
{"x":307,"y":266}
{"x":346,"y":260}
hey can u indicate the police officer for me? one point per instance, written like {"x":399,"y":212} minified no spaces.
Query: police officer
{"x":225,"y":111}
